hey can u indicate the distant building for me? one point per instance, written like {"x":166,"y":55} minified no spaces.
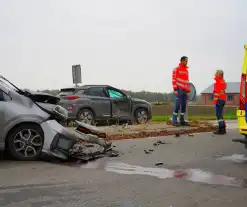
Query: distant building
{"x":232,"y":92}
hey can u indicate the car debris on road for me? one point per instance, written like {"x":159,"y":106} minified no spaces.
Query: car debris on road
{"x":87,"y":152}
{"x":159,"y":142}
{"x":159,"y":163}
{"x":149,"y":151}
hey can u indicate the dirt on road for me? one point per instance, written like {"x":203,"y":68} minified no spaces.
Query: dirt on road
{"x":154,"y":130}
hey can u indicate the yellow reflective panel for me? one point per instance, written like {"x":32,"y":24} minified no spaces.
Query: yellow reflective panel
{"x":244,"y":69}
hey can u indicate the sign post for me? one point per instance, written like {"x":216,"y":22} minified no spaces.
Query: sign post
{"x":76,"y":74}
{"x":186,"y":115}
{"x":191,"y":97}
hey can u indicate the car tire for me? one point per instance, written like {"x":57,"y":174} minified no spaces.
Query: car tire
{"x":141,"y":116}
{"x":25,"y":142}
{"x":245,"y":136}
{"x":86,"y":116}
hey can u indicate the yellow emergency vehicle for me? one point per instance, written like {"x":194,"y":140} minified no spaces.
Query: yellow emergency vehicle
{"x":241,"y":112}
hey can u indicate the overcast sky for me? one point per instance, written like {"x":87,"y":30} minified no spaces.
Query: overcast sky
{"x":130,"y":44}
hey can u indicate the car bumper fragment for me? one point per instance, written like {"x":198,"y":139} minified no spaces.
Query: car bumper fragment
{"x":63,"y":143}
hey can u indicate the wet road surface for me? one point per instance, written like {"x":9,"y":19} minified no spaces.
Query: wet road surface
{"x":188,"y":171}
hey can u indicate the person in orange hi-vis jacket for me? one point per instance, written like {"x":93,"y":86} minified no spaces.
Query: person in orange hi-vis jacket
{"x":219,"y":100}
{"x":181,"y":87}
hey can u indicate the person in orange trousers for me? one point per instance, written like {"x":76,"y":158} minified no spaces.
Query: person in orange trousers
{"x":219,"y":100}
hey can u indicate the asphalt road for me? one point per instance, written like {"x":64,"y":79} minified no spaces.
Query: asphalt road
{"x":202,"y":170}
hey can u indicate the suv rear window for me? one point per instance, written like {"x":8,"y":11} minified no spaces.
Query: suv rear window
{"x":66,"y":92}
{"x":96,"y":91}
{"x":80,"y":92}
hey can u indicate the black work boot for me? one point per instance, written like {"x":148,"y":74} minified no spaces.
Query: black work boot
{"x":184,"y":123}
{"x":176,"y":124}
{"x":220,"y":131}
{"x":224,"y":130}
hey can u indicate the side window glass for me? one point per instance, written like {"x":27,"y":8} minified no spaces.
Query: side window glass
{"x":96,"y":92}
{"x":115,"y":94}
{"x":4,"y":96}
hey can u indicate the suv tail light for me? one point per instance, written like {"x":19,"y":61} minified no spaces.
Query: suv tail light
{"x":242,"y":92}
{"x":71,"y":97}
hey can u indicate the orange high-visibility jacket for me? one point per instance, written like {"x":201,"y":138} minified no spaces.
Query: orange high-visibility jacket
{"x":219,"y":89}
{"x":180,"y":78}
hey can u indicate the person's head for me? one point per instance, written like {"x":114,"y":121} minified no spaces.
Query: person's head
{"x":219,"y":73}
{"x":184,"y":60}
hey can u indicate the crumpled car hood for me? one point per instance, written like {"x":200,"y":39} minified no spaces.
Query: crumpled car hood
{"x":41,"y":97}
{"x":49,"y":103}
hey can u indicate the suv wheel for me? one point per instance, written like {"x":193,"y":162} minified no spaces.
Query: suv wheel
{"x":86,"y":116}
{"x":25,"y":142}
{"x":141,"y":116}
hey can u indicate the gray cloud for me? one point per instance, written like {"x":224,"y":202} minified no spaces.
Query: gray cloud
{"x":131,"y":44}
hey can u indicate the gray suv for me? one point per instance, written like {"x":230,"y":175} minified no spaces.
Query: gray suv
{"x":90,"y":103}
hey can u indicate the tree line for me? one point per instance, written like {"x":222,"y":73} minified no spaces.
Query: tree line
{"x":145,"y":95}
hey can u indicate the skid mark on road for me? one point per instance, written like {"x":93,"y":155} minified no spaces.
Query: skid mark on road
{"x":193,"y":175}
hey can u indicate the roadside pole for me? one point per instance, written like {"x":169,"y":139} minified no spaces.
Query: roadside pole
{"x":186,"y":115}
{"x":191,"y":97}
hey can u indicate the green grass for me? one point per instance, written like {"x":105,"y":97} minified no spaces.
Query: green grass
{"x":194,"y":118}
{"x":159,"y":103}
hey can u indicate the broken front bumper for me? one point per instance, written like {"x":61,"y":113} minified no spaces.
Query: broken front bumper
{"x":59,"y":141}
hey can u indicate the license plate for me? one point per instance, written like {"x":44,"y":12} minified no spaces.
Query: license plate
{"x":240,"y":113}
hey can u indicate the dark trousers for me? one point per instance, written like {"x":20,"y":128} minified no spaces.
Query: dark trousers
{"x":180,"y":103}
{"x":219,"y":107}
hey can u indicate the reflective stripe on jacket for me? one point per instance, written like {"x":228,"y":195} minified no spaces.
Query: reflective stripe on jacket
{"x":219,"y":89}
{"x":180,"y":78}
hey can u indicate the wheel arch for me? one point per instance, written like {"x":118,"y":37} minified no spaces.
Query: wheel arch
{"x":139,"y":108}
{"x":87,"y":107}
{"x":17,"y":125}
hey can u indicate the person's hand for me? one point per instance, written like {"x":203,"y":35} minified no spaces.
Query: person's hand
{"x":176,"y":93}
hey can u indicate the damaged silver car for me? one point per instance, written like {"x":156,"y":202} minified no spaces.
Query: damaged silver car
{"x":30,"y":125}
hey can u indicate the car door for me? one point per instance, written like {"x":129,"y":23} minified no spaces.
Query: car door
{"x":121,"y":104}
{"x":99,"y":101}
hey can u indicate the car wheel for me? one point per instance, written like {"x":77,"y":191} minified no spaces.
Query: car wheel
{"x":25,"y":142}
{"x":141,"y":116}
{"x":86,"y":116}
{"x":245,"y":136}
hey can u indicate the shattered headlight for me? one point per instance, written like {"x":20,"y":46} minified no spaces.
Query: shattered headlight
{"x":59,"y":110}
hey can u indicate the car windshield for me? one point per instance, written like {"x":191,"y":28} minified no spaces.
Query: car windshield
{"x":5,"y":85}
